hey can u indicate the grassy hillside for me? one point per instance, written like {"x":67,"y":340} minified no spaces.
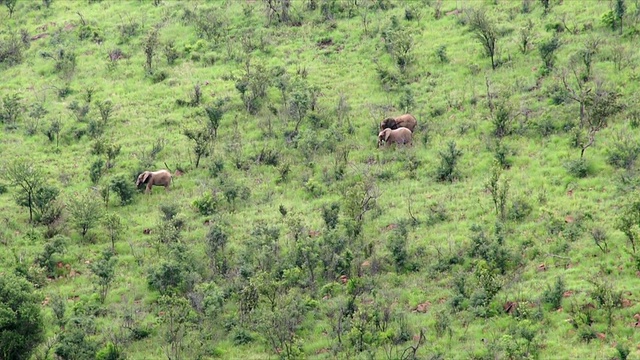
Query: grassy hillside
{"x":508,"y":230}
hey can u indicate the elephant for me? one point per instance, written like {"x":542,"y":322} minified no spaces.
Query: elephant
{"x":407,"y":120}
{"x":398,"y":136}
{"x":157,"y":178}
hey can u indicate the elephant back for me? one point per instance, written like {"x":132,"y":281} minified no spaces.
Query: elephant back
{"x":407,"y":121}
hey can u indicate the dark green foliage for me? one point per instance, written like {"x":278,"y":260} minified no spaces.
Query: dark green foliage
{"x":623,"y":351}
{"x":50,"y":256}
{"x":201,"y":137}
{"x":216,"y":241}
{"x":547,"y":51}
{"x":65,"y":61}
{"x":207,"y":204}
{"x":623,"y":152}
{"x":74,"y":343}
{"x":21,"y":174}
{"x":125,"y":188}
{"x":546,"y":5}
{"x":86,"y":212}
{"x":578,"y":167}
{"x":46,"y":210}
{"x":215,"y":111}
{"x":599,"y":236}
{"x":104,"y":270}
{"x":11,"y":50}
{"x":552,"y":295}
{"x":22,"y":325}
{"x":95,"y":171}
{"x":150,"y":45}
{"x":170,"y":52}
{"x":110,"y":352}
{"x":448,"y":161}
{"x":11,"y":109}
{"x":501,"y":119}
{"x":520,"y":209}
{"x":167,"y":277}
{"x":397,"y":246}
{"x":441,"y":54}
{"x":491,"y":249}
{"x":330,"y":215}
{"x":501,"y":155}
{"x":484,"y":29}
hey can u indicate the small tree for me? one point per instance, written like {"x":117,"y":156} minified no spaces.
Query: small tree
{"x":21,"y":173}
{"x":106,"y":109}
{"x":103,"y":269}
{"x":548,"y":53}
{"x":485,"y":32}
{"x":123,"y":187}
{"x":11,"y":6}
{"x":11,"y":109}
{"x":216,"y":240}
{"x":177,"y":318}
{"x":619,"y":10}
{"x":45,"y":208}
{"x":53,"y":132}
{"x":201,"y":138}
{"x":448,"y":161}
{"x":215,"y":112}
{"x":629,"y":224}
{"x":150,"y":45}
{"x":85,"y":211}
{"x":114,"y":226}
{"x":22,"y":325}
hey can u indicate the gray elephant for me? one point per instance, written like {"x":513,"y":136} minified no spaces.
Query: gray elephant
{"x":399,"y":136}
{"x":157,"y":178}
{"x":407,"y":121}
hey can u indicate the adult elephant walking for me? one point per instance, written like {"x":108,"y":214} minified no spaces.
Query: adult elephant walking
{"x":157,"y":178}
{"x":407,"y":121}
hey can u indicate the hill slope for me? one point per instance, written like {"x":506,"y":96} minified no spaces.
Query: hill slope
{"x":508,"y":229}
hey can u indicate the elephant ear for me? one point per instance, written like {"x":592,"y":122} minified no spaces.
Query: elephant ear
{"x":145,"y":176}
{"x":387,"y":133}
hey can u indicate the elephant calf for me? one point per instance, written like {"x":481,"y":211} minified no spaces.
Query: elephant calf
{"x":157,"y":178}
{"x":407,"y":120}
{"x":396,"y":136}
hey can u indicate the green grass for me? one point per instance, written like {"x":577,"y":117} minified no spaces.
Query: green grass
{"x":342,"y":61}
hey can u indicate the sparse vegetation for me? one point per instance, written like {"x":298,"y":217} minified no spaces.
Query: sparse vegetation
{"x":286,"y":232}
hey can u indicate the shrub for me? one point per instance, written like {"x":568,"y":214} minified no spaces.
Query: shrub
{"x":553,"y":295}
{"x":441,"y":54}
{"x":22,"y":322}
{"x":578,"y":168}
{"x":95,"y":172}
{"x":330,"y":215}
{"x":448,"y":160}
{"x":520,"y":209}
{"x":124,"y":188}
{"x":206,"y":204}
{"x":11,"y":49}
{"x":623,"y":152}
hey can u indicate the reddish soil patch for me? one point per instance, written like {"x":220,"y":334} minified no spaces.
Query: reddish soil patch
{"x":423,"y":308}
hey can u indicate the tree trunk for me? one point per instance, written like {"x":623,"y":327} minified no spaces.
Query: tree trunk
{"x":30,"y":208}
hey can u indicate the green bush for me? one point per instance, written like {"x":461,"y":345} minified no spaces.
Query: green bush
{"x":124,"y":188}
{"x":578,"y":168}
{"x":206,"y":204}
{"x":553,"y":294}
{"x":22,"y":325}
